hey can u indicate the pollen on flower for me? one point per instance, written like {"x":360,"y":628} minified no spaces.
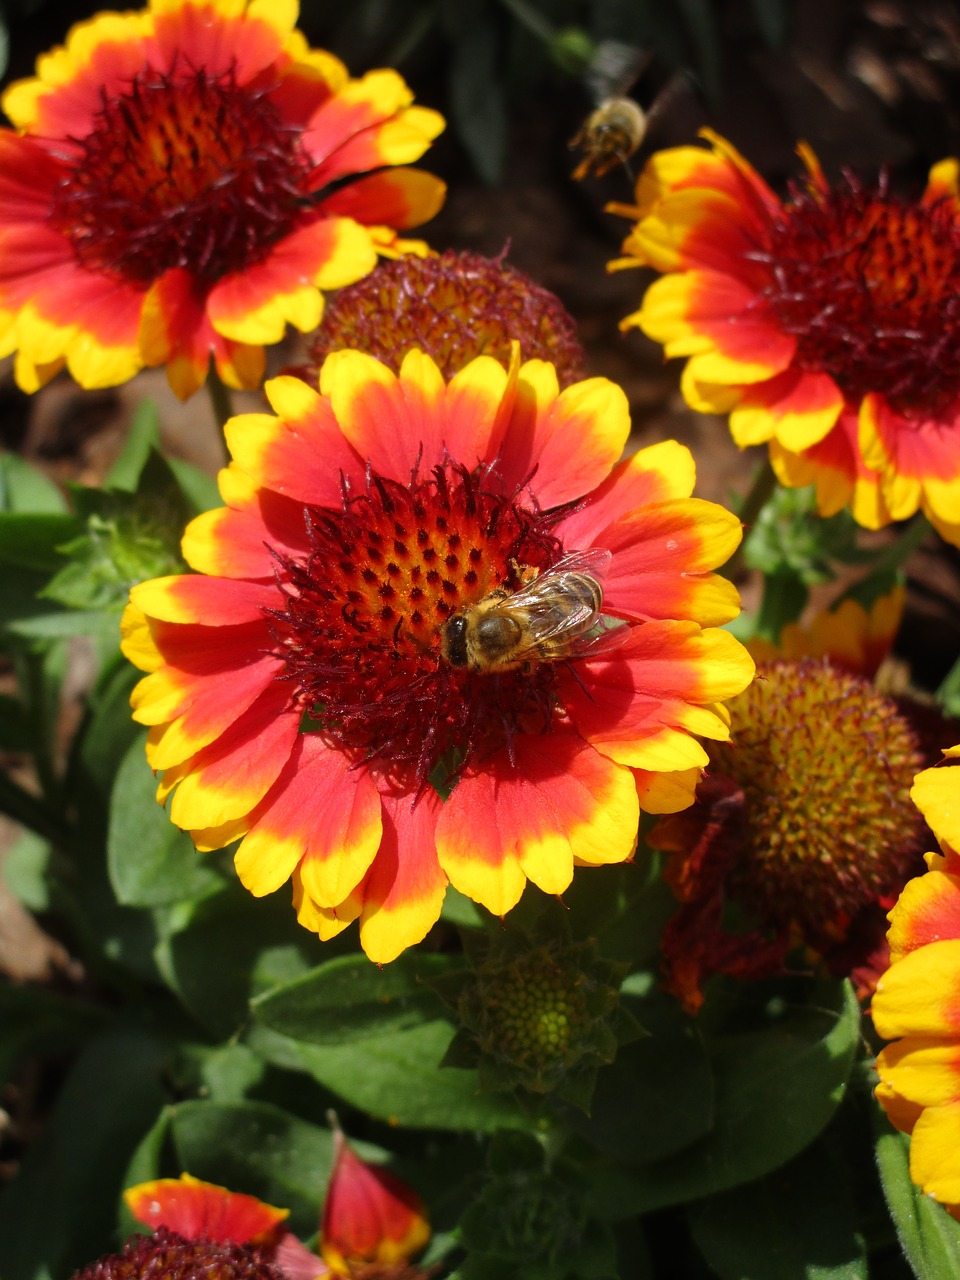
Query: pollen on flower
{"x":168,"y":1255}
{"x":181,"y":171}
{"x":454,"y":306}
{"x":870,"y":286}
{"x":360,"y":631}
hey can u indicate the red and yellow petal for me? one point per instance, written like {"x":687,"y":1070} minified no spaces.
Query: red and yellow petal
{"x":699,"y":230}
{"x":918,"y":461}
{"x":568,"y":441}
{"x":244,"y":39}
{"x":850,"y":636}
{"x":175,"y":330}
{"x":236,"y":541}
{"x":404,"y":890}
{"x":920,"y":994}
{"x":368,"y":124}
{"x":561,"y":802}
{"x":201,"y":1210}
{"x":212,"y":602}
{"x":254,"y":306}
{"x":389,"y":420}
{"x":720,"y":323}
{"x":796,"y":408}
{"x":101,"y":55}
{"x":191,"y":709}
{"x":662,"y":557}
{"x":322,"y":816}
{"x":228,"y":779}
{"x":396,"y":198}
{"x":302,"y":454}
{"x":641,"y":704}
{"x":658,"y":473}
{"x":369,"y":1216}
{"x":836,"y":468}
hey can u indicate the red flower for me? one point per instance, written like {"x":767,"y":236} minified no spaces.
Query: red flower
{"x":177,"y":189}
{"x":300,"y":693}
{"x":827,"y":324}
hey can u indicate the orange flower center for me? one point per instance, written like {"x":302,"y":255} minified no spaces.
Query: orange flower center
{"x":182,"y":171}
{"x":870,"y":286}
{"x":360,"y":629}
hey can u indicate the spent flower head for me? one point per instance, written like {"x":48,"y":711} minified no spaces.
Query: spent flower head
{"x":454,"y":306}
{"x":804,"y":826}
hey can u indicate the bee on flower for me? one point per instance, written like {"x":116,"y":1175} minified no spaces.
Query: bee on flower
{"x":305,"y":690}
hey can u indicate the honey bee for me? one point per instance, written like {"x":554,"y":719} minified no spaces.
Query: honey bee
{"x":609,"y":136}
{"x":553,"y":617}
{"x":615,"y":129}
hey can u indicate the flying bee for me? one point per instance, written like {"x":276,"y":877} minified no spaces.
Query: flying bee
{"x":553,"y":617}
{"x":615,"y":129}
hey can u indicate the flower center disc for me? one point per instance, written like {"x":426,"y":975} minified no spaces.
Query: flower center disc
{"x":870,"y":286}
{"x":360,"y":630}
{"x":186,"y":171}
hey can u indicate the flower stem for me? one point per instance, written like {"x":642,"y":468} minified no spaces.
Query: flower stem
{"x":23,"y":807}
{"x":761,"y":491}
{"x":219,"y":398}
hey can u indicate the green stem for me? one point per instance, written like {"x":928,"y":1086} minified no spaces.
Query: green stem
{"x":894,"y":556}
{"x":761,"y":491}
{"x":23,"y":807}
{"x":532,"y":19}
{"x":763,"y":487}
{"x":219,"y":398}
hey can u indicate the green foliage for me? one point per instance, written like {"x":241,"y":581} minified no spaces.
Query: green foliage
{"x":929,"y":1237}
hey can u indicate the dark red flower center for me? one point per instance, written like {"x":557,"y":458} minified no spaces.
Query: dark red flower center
{"x":870,"y":286}
{"x":168,"y":1256}
{"x":361,"y":624}
{"x":187,"y":171}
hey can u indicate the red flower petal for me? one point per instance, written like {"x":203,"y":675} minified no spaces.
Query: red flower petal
{"x":195,"y":1209}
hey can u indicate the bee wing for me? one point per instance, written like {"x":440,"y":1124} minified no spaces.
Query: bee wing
{"x":595,"y":562}
{"x":609,"y":635}
{"x":551,"y":608}
{"x":614,"y":69}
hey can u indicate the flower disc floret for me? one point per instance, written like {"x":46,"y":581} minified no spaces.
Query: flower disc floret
{"x":184,"y":182}
{"x":297,"y":693}
{"x":827,"y":323}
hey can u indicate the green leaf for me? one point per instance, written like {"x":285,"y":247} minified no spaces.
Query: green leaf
{"x":23,"y":488}
{"x":349,"y":998}
{"x":59,"y":1211}
{"x":32,"y":541}
{"x":746,"y":1232}
{"x":257,"y":945}
{"x":199,"y":490}
{"x":142,"y":438}
{"x":258,"y":1149}
{"x":25,"y":871}
{"x":396,"y":1078}
{"x":657,"y":1097}
{"x":929,"y":1237}
{"x":776,"y":1089}
{"x":151,"y":862}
